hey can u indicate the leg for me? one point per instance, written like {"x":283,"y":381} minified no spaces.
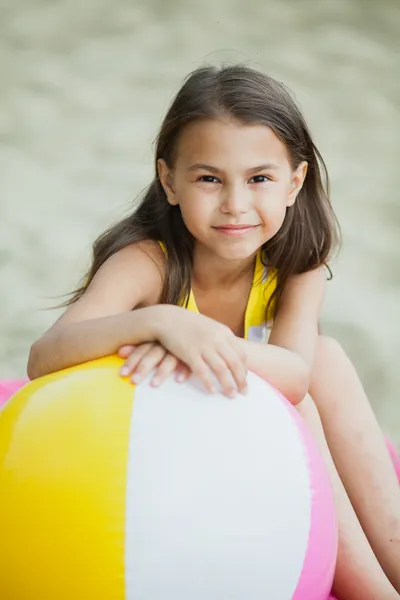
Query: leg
{"x":359,"y":451}
{"x":358,"y":574}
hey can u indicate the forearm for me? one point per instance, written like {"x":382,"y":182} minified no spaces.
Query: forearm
{"x":78,"y":342}
{"x":284,"y":370}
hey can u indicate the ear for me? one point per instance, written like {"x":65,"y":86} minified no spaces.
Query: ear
{"x":165,"y":175}
{"x":298,"y":178}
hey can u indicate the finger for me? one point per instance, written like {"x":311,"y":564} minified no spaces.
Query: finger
{"x":237,"y":347}
{"x":164,"y":369}
{"x":241,"y":353}
{"x":202,"y":370}
{"x":182,"y":373}
{"x":134,"y":358}
{"x":125,"y":351}
{"x":236,"y":366}
{"x":150,"y":360}
{"x":219,"y":367}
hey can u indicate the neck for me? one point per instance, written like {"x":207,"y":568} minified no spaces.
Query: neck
{"x":210,"y":271}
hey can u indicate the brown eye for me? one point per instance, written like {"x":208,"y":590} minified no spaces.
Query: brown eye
{"x":259,"y":179}
{"x":208,"y":179}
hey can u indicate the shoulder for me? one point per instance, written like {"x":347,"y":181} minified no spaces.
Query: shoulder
{"x":137,"y":271}
{"x":306,"y":290}
{"x":310,"y":279}
{"x":147,"y":254}
{"x":131,"y":278}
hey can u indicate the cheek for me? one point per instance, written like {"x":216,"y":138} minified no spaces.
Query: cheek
{"x":272,"y":205}
{"x":272,"y":213}
{"x":196,"y":211}
{"x":274,"y":219}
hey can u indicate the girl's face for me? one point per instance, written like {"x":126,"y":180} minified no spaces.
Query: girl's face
{"x":233,"y":183}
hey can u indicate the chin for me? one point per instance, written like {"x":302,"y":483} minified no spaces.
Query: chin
{"x":237,"y":251}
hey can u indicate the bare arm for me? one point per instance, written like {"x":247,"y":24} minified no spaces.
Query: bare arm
{"x":296,"y":323}
{"x":87,"y":340}
{"x":287,"y":359}
{"x":102,"y":320}
{"x":284,"y":370}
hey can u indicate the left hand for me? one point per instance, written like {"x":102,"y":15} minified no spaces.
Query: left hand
{"x":142,"y":359}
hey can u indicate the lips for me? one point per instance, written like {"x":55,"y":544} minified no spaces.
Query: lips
{"x":235,"y":227}
{"x":235,"y":230}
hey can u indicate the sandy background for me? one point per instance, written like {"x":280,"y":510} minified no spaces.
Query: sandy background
{"x":83,"y":88}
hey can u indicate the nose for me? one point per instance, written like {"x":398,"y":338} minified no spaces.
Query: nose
{"x":235,"y":200}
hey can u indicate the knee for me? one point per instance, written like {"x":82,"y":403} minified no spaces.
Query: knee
{"x":331,"y":364}
{"x":329,"y":354}
{"x":328,"y":348}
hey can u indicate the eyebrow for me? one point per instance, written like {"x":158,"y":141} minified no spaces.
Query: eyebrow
{"x":201,"y":166}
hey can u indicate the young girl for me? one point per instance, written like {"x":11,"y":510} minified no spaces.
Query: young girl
{"x":237,"y":227}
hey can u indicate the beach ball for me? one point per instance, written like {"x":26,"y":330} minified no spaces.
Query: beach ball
{"x":114,"y":492}
{"x":8,"y":387}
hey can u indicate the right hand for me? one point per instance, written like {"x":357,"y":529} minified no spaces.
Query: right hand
{"x":151,"y":356}
{"x":210,"y":350}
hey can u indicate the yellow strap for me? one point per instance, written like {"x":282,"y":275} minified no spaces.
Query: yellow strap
{"x":264,"y":284}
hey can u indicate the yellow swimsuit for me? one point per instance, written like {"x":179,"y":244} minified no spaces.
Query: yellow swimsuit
{"x":256,"y":324}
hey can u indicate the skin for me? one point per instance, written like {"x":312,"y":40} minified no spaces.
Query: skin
{"x":248,"y":180}
{"x":227,"y":173}
{"x":233,"y":189}
{"x":224,"y":193}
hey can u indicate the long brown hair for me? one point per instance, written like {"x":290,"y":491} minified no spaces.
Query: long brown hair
{"x":309,"y":232}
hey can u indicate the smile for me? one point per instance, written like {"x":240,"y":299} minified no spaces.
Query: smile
{"x":235,"y":230}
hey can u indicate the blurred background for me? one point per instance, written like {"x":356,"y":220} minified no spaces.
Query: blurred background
{"x":83,"y":89}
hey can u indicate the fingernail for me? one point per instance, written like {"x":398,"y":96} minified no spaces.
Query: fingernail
{"x":136,"y":378}
{"x":245,"y":390}
{"x":213,"y":389}
{"x":155,"y":381}
{"x":232,"y":394}
{"x":180,"y":377}
{"x":124,"y":371}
